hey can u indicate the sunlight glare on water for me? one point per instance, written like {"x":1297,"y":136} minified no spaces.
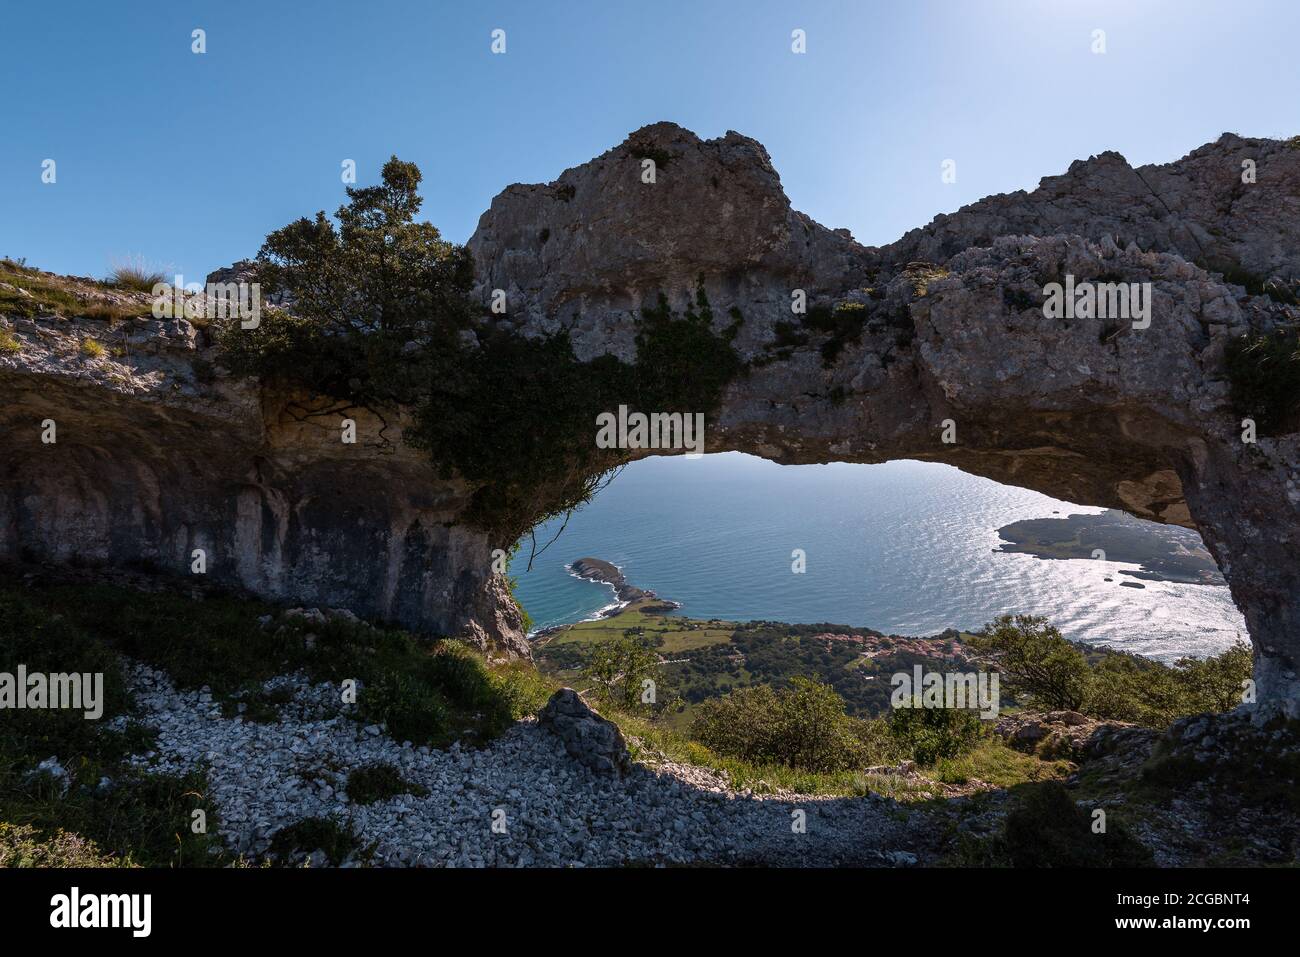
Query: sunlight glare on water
{"x":904,"y":547}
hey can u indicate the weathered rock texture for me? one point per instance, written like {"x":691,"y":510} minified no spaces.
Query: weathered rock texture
{"x":157,"y":454}
{"x":151,"y":463}
{"x":1088,"y":410}
{"x":593,"y":740}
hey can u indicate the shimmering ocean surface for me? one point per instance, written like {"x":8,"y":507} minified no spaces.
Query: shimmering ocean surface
{"x":905,"y":548}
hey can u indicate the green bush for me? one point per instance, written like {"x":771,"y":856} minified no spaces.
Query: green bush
{"x":522,"y":688}
{"x":1128,"y":688}
{"x":619,"y":668}
{"x":1044,"y":670}
{"x":929,"y":734}
{"x":803,"y":726}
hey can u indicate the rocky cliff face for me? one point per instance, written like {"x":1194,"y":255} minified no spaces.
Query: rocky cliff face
{"x":941,"y":332}
{"x":157,"y":454}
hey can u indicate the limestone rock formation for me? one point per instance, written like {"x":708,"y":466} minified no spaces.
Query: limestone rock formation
{"x":950,"y":327}
{"x":160,"y":453}
{"x":591,"y":739}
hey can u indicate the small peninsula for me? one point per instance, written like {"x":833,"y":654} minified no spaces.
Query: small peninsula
{"x":1163,"y":552}
{"x":599,"y":570}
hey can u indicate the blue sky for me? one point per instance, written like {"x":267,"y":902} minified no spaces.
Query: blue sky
{"x":189,"y":160}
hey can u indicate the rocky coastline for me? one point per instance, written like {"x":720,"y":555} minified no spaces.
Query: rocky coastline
{"x":607,"y":573}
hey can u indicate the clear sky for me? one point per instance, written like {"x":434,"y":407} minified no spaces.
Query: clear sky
{"x":189,"y":160}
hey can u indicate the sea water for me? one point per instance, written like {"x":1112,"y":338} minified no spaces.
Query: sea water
{"x":905,"y":548}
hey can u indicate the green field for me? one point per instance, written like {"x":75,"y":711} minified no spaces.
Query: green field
{"x":678,"y":633}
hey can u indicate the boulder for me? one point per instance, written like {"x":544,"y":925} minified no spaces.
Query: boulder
{"x":592,"y":740}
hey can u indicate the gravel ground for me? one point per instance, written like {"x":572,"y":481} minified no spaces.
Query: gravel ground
{"x":556,"y":812}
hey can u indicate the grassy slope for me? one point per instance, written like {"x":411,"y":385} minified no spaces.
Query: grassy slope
{"x":428,"y":692}
{"x":667,"y":736}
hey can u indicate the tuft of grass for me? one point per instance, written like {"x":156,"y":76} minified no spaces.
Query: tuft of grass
{"x":993,"y":761}
{"x":523,"y":689}
{"x":32,"y":294}
{"x":92,"y":348}
{"x":380,"y":782}
{"x":22,"y":845}
{"x":135,"y":274}
{"x":921,"y":274}
{"x":407,"y":707}
{"x":9,"y":343}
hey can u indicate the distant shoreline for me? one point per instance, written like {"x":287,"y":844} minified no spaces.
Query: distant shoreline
{"x":601,"y":572}
{"x":1162,"y":552}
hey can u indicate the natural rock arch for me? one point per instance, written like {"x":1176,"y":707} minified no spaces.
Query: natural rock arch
{"x":156,"y":457}
{"x":1088,"y":410}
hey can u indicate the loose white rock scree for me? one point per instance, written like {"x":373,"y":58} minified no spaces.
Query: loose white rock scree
{"x":557,"y":811}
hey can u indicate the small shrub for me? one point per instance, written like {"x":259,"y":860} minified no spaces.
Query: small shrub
{"x":8,"y":342}
{"x":379,"y":782}
{"x":460,"y":674}
{"x":92,"y":348}
{"x":931,"y":734}
{"x":660,"y":155}
{"x":844,"y":324}
{"x":803,"y":727}
{"x":316,"y":834}
{"x":620,"y":667}
{"x":410,"y":709}
{"x":1128,"y":688}
{"x":1048,"y":829}
{"x":25,"y":846}
{"x":522,"y":689}
{"x":921,"y":274}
